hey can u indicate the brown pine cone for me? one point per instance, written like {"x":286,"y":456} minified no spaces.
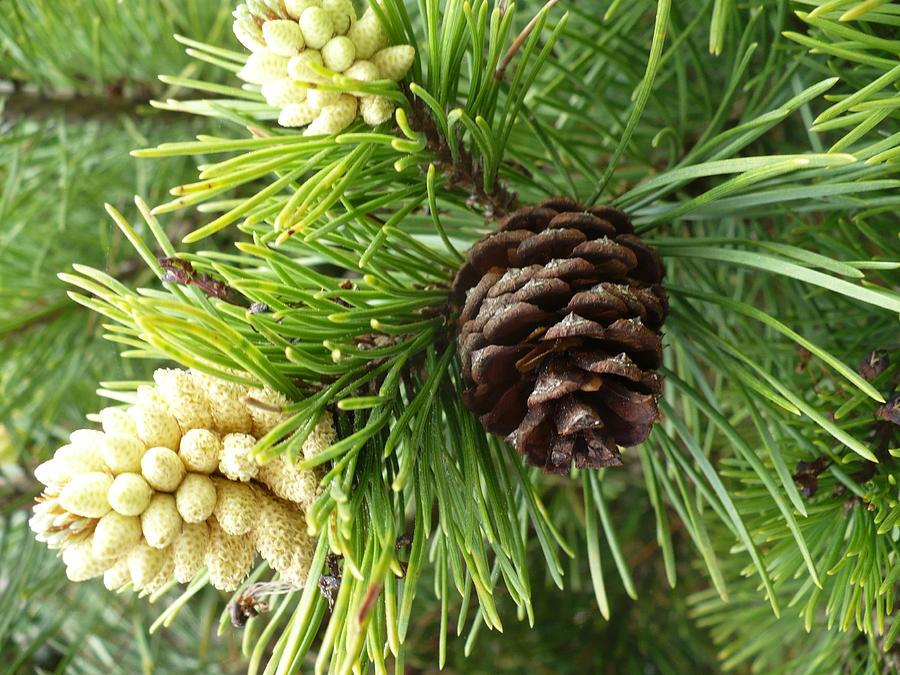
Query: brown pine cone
{"x":559,"y":337}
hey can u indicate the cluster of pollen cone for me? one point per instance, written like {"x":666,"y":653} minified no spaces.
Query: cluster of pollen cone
{"x":298,"y":45}
{"x":170,"y":486}
{"x":561,"y":311}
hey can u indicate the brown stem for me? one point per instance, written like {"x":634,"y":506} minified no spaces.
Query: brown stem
{"x":520,"y":39}
{"x":463,"y":172}
{"x":26,"y":102}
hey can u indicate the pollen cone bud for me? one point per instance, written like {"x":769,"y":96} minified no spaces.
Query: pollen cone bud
{"x":163,"y":577}
{"x":118,"y":575}
{"x":394,"y":62}
{"x":76,"y":460}
{"x":86,"y":439}
{"x":85,"y":495}
{"x":317,"y":28}
{"x":284,"y":479}
{"x":267,"y":409}
{"x":195,"y":498}
{"x":322,"y":437}
{"x":115,"y":535}
{"x":249,"y":35}
{"x":237,"y":461}
{"x":338,"y":54}
{"x":236,"y":507}
{"x":376,"y":110}
{"x":280,"y":93}
{"x":334,"y":118}
{"x":145,"y":516}
{"x":264,"y":66}
{"x":364,"y":71}
{"x":189,"y":551}
{"x":283,"y":37}
{"x":318,"y":99}
{"x":129,"y":494}
{"x":342,"y":14}
{"x":200,"y":450}
{"x":368,"y":35}
{"x":302,"y":66}
{"x":160,"y":521}
{"x":185,"y":399}
{"x":229,"y":558}
{"x":297,"y":115}
{"x":51,"y":474}
{"x":82,"y":563}
{"x":162,"y":469}
{"x":296,"y":7}
{"x":226,"y":403}
{"x":117,"y":421}
{"x":145,"y":563}
{"x":122,"y":453}
{"x":282,"y":539}
{"x":155,"y":426}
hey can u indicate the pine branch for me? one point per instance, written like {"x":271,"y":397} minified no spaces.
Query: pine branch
{"x":777,"y":229}
{"x":24,"y":103}
{"x":462,"y":171}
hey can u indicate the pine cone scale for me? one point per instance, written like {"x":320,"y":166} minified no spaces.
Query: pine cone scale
{"x":574,"y":414}
{"x":496,"y":364}
{"x":514,"y":323}
{"x":560,"y":315}
{"x":573,"y":326}
{"x":556,"y":379}
{"x":543,"y":247}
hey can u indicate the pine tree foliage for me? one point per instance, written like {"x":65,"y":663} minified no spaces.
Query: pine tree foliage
{"x":74,"y":107}
{"x":73,"y":92}
{"x":755,"y":147}
{"x":105,"y":49}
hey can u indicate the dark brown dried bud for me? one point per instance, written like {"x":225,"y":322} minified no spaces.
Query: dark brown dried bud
{"x":560,"y":313}
{"x":875,"y":363}
{"x":807,"y":475}
{"x":890,"y":411}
